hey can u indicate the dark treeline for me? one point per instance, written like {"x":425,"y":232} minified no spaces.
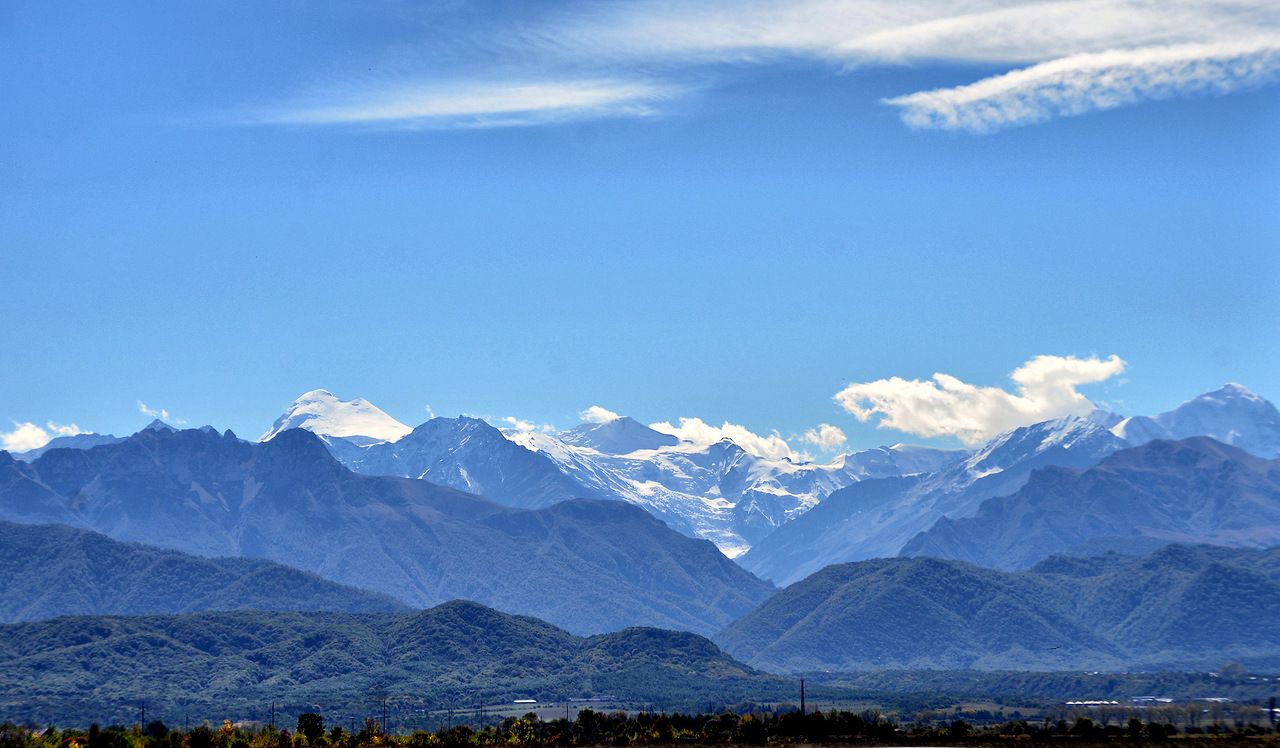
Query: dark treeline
{"x":593,"y":728}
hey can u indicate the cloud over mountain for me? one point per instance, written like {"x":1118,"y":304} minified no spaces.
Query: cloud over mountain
{"x":700,"y":432}
{"x":946,"y":406}
{"x":826,"y":437}
{"x":27,"y":435}
{"x":597,"y":414}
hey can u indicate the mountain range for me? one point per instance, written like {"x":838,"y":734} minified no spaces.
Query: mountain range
{"x":783,"y":517}
{"x":48,"y":571}
{"x":555,"y":505}
{"x":879,"y":517}
{"x":1181,"y":607}
{"x":720,"y":491}
{"x":1194,"y":490}
{"x":875,"y":518}
{"x":288,"y":500}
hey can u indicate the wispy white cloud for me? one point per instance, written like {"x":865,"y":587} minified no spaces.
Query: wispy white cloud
{"x":63,"y":429}
{"x":1082,"y":83}
{"x":860,"y":32}
{"x":1083,"y":55}
{"x":698,"y":431}
{"x":631,"y":59}
{"x":26,"y":436}
{"x":597,"y":414}
{"x":522,"y":426}
{"x":147,"y":410}
{"x":945,"y":406}
{"x":825,"y":437}
{"x":472,"y":103}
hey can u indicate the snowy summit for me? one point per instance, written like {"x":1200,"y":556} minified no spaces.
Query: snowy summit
{"x":320,"y":412}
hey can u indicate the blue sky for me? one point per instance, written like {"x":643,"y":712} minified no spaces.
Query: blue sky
{"x":522,"y":210}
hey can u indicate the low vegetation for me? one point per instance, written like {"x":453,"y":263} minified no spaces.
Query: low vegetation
{"x":590,"y":728}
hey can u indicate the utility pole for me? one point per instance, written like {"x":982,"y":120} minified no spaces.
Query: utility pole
{"x":273,"y":715}
{"x":142,"y":721}
{"x":802,"y":697}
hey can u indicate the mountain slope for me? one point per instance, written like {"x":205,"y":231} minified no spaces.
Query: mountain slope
{"x":53,"y":570}
{"x":1195,"y":490}
{"x":27,"y":499}
{"x":1180,"y":600}
{"x":588,"y":565}
{"x":1181,"y":607}
{"x":453,"y":654}
{"x":909,"y":613}
{"x":875,"y":518}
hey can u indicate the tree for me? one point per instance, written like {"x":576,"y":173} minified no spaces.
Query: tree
{"x":156,"y":729}
{"x":200,"y":737}
{"x":457,"y":737}
{"x":311,"y":726}
{"x":1083,"y":727}
{"x":523,"y":731}
{"x":751,"y":730}
{"x":337,"y":736}
{"x":959,"y":729}
{"x":1233,"y":671}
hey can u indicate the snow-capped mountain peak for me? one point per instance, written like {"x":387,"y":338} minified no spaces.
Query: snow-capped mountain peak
{"x":321,"y":412}
{"x":718,"y":491}
{"x":1065,"y":432}
{"x":617,"y":436}
{"x":157,"y":425}
{"x":1232,"y":414}
{"x":1233,"y":390}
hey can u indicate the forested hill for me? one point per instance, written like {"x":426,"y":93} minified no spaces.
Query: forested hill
{"x":458,"y":653}
{"x":1182,"y":607}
